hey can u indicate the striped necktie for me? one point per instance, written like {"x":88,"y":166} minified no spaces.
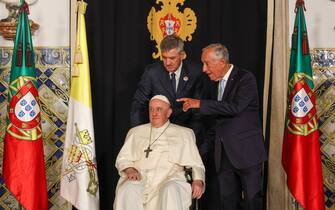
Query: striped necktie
{"x":222,"y":85}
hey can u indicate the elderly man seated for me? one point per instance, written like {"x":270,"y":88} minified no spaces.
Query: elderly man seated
{"x":151,"y":164}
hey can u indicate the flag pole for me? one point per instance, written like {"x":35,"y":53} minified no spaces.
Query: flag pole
{"x":69,"y":206}
{"x":296,"y":204}
{"x":20,"y":206}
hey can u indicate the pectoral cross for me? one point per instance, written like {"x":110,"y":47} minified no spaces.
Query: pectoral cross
{"x":147,"y":151}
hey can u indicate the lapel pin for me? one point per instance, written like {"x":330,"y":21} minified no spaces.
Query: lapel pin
{"x":185,"y":78}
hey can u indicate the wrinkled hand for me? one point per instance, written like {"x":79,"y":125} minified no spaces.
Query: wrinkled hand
{"x":197,"y":189}
{"x":189,"y":103}
{"x":132,"y":174}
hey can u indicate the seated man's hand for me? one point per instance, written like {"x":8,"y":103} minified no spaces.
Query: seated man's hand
{"x":132,"y":174}
{"x":197,"y":189}
{"x":189,"y":103}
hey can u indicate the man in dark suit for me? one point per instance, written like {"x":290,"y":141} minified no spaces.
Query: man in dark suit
{"x":236,"y":132}
{"x":172,"y":77}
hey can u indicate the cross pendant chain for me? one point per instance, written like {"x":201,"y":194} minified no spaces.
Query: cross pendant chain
{"x":147,"y":151}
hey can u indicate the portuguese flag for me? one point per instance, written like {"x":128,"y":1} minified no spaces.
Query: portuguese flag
{"x":23,"y":161}
{"x":301,"y":148}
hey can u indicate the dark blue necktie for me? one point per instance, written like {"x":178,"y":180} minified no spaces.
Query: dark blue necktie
{"x":173,"y":82}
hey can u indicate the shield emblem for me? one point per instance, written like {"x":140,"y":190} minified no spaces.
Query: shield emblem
{"x":24,"y":111}
{"x":27,"y":108}
{"x":301,"y":109}
{"x":301,"y":104}
{"x":169,"y":25}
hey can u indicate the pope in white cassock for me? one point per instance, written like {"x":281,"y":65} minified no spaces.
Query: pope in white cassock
{"x":151,"y":164}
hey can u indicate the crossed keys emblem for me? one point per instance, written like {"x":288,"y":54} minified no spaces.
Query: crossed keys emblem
{"x":81,"y":158}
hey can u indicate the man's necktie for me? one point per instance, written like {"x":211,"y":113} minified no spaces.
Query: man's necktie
{"x":173,"y":82}
{"x":222,"y":85}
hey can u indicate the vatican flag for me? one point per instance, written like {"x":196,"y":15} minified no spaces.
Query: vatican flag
{"x":79,"y":181}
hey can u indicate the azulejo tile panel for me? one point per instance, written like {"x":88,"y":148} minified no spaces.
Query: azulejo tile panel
{"x":53,"y":67}
{"x":323,"y":61}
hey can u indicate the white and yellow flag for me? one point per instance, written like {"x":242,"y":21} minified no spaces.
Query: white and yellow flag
{"x":79,"y":181}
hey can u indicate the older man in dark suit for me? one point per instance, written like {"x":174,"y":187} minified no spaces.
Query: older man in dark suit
{"x":172,"y":77}
{"x":238,"y":143}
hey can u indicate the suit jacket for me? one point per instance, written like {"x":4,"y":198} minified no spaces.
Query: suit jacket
{"x":236,"y":126}
{"x":156,"y":80}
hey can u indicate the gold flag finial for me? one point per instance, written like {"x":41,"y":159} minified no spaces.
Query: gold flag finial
{"x":78,"y":55}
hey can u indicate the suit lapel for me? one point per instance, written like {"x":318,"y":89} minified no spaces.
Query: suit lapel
{"x":230,"y":82}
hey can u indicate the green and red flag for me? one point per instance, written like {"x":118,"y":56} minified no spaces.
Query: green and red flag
{"x":301,"y":157}
{"x":23,"y":161}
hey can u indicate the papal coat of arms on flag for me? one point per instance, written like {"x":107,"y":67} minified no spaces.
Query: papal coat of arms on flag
{"x":81,"y":160}
{"x":170,"y":20}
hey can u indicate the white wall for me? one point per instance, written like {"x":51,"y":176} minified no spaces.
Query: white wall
{"x":320,"y":21}
{"x":53,"y":16}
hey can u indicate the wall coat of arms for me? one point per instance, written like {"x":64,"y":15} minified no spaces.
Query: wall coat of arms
{"x":170,"y":19}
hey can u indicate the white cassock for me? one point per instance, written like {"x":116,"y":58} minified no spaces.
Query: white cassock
{"x":163,"y":184}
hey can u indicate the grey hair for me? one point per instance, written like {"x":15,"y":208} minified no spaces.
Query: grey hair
{"x":172,"y":42}
{"x":220,"y":51}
